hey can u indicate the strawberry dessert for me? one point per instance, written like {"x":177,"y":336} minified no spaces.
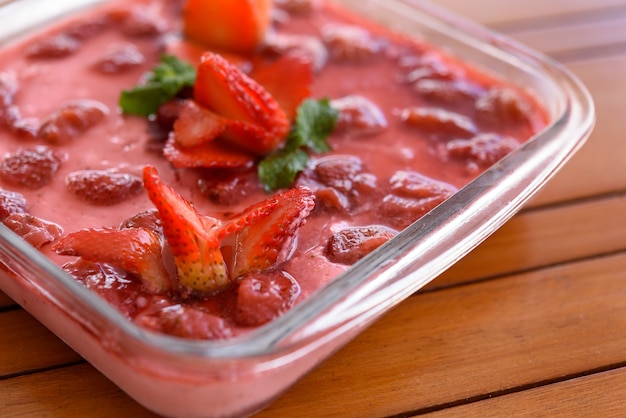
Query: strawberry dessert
{"x":204,"y":166}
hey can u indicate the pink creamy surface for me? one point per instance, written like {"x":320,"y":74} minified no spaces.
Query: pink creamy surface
{"x":120,"y":141}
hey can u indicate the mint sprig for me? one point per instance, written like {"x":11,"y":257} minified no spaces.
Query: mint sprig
{"x":315,"y":121}
{"x":163,"y":83}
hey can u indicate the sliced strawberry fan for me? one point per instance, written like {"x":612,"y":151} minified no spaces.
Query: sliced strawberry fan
{"x":237,"y":112}
{"x":196,"y":239}
{"x":224,"y":89}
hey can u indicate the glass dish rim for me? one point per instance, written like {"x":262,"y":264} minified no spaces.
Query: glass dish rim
{"x":282,"y":334}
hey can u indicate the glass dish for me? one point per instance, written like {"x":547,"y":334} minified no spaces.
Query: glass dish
{"x":178,"y":377}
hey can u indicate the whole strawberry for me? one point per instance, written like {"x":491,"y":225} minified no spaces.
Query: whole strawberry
{"x":32,"y":168}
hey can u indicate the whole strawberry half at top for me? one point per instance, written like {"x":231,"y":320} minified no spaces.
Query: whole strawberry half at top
{"x":254,"y":119}
{"x":233,"y":25}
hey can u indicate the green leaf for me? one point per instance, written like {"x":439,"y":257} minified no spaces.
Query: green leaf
{"x":163,"y":83}
{"x":143,"y":100}
{"x":173,"y":74}
{"x":315,"y":121}
{"x":279,"y":170}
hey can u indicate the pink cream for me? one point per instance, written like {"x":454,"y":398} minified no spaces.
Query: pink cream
{"x":119,"y":141}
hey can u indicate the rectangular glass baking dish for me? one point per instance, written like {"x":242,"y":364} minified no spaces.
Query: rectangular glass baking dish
{"x":178,"y":377}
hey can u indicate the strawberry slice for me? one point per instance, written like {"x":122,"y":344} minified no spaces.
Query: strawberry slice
{"x":224,"y":89}
{"x":295,"y":68}
{"x":243,"y":134}
{"x":196,"y":125}
{"x":210,"y":155}
{"x":234,"y":25}
{"x":270,"y":240}
{"x":195,"y":240}
{"x":136,"y":250}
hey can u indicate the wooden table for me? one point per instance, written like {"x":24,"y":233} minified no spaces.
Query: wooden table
{"x":532,"y":323}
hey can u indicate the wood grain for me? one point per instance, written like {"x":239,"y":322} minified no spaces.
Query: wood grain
{"x":505,"y":15}
{"x":73,"y":392}
{"x":27,"y":345}
{"x":5,"y":301}
{"x":585,"y":396}
{"x":594,"y":170}
{"x":549,"y":236}
{"x":578,"y":40}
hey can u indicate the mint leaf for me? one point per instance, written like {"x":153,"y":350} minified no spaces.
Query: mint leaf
{"x":279,"y":170}
{"x":143,"y":100}
{"x":163,"y":83}
{"x":173,"y":74}
{"x":315,"y":121}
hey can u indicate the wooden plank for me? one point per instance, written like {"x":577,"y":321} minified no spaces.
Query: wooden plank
{"x":544,"y":237}
{"x":578,"y":40}
{"x":473,"y":340}
{"x":598,"y":167}
{"x":73,"y":392}
{"x":506,"y":13}
{"x":5,"y":301}
{"x":600,"y":394}
{"x":27,"y":345}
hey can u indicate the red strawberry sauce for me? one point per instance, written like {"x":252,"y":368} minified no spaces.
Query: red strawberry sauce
{"x":414,"y":126}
